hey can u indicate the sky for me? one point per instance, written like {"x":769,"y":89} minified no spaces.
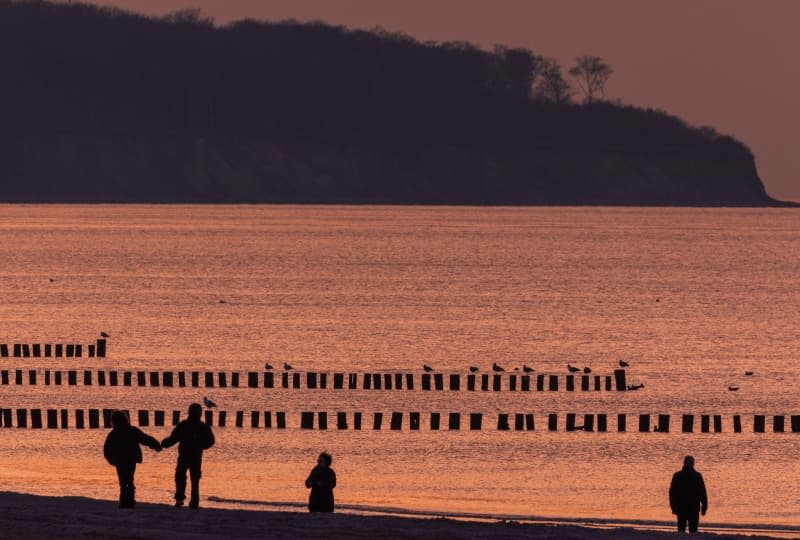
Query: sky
{"x":730,"y":64}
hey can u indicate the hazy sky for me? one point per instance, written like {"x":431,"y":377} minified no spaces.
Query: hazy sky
{"x":730,"y":64}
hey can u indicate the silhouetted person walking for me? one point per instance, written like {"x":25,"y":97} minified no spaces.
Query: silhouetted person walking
{"x":122,"y":450}
{"x":322,"y":480}
{"x":687,"y":496}
{"x":193,"y":437}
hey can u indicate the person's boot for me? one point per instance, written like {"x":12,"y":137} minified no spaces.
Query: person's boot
{"x":194,"y":501}
{"x":178,"y":503}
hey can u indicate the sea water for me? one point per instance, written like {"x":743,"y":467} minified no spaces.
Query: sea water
{"x":691,"y":298}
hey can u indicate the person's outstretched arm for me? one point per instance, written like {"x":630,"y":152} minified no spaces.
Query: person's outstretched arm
{"x":148,"y":441}
{"x":173,"y":438}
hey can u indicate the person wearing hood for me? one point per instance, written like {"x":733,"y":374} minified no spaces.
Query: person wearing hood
{"x":321,"y":482}
{"x":687,"y":496}
{"x":122,"y":450}
{"x":193,"y":436}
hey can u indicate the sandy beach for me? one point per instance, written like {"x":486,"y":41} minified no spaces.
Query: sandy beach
{"x":28,"y":516}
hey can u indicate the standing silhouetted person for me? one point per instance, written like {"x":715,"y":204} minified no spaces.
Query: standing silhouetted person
{"x":193,"y":436}
{"x":122,"y":450}
{"x":322,"y":480}
{"x":687,"y":496}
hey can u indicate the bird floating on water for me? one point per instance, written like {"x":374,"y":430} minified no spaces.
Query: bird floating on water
{"x":623,"y":363}
{"x":748,"y":373}
{"x":526,"y":369}
{"x":587,"y":370}
{"x":496,"y":368}
{"x":572,"y":369}
{"x":104,"y":334}
{"x":208,"y":403}
{"x":427,"y":368}
{"x":268,"y":366}
{"x":473,"y":369}
{"x":287,"y":366}
{"x":733,"y":388}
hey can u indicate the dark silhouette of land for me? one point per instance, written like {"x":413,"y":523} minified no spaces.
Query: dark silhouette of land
{"x":99,"y":105}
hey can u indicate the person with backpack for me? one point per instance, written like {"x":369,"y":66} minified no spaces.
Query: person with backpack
{"x":193,"y":437}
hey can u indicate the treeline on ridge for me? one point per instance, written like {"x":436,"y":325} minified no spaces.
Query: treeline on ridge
{"x":88,"y":70}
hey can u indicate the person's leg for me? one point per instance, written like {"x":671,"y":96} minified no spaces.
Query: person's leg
{"x":125,"y":474}
{"x":194,"y":474}
{"x":121,"y":478}
{"x":131,"y":487}
{"x":180,"y":481}
{"x":694,"y":521}
{"x":681,"y":523}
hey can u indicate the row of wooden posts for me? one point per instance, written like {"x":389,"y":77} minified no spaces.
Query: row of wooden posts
{"x":96,"y":418}
{"x":53,"y":350}
{"x":315,"y":380}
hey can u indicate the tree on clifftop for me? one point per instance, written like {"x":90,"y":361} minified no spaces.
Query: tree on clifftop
{"x":551,"y":85}
{"x":591,"y":73}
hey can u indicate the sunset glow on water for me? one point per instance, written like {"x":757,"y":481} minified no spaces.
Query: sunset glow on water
{"x":692,"y":298}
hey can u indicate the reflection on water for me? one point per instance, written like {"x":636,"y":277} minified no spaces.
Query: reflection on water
{"x":691,"y":297}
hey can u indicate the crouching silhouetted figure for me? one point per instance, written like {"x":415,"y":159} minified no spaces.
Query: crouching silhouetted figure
{"x":687,"y":496}
{"x":122,"y":450}
{"x":322,"y":480}
{"x":193,"y":437}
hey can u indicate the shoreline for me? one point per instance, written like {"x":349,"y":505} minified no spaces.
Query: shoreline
{"x":774,"y":203}
{"x":25,"y":516}
{"x":784,"y":530}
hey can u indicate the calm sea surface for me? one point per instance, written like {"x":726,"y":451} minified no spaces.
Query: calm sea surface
{"x":690,"y":297}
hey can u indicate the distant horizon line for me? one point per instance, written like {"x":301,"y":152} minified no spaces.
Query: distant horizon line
{"x":777,"y":203}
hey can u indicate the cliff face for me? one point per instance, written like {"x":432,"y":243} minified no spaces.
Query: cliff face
{"x":100,"y":105}
{"x":71,"y":168}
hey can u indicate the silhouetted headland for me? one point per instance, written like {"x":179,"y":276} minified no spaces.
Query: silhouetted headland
{"x":100,"y":105}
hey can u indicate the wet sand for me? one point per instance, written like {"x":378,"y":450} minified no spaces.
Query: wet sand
{"x":28,"y":516}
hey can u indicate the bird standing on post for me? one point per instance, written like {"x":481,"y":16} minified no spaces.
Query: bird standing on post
{"x":496,"y":368}
{"x":427,"y":368}
{"x":208,"y":403}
